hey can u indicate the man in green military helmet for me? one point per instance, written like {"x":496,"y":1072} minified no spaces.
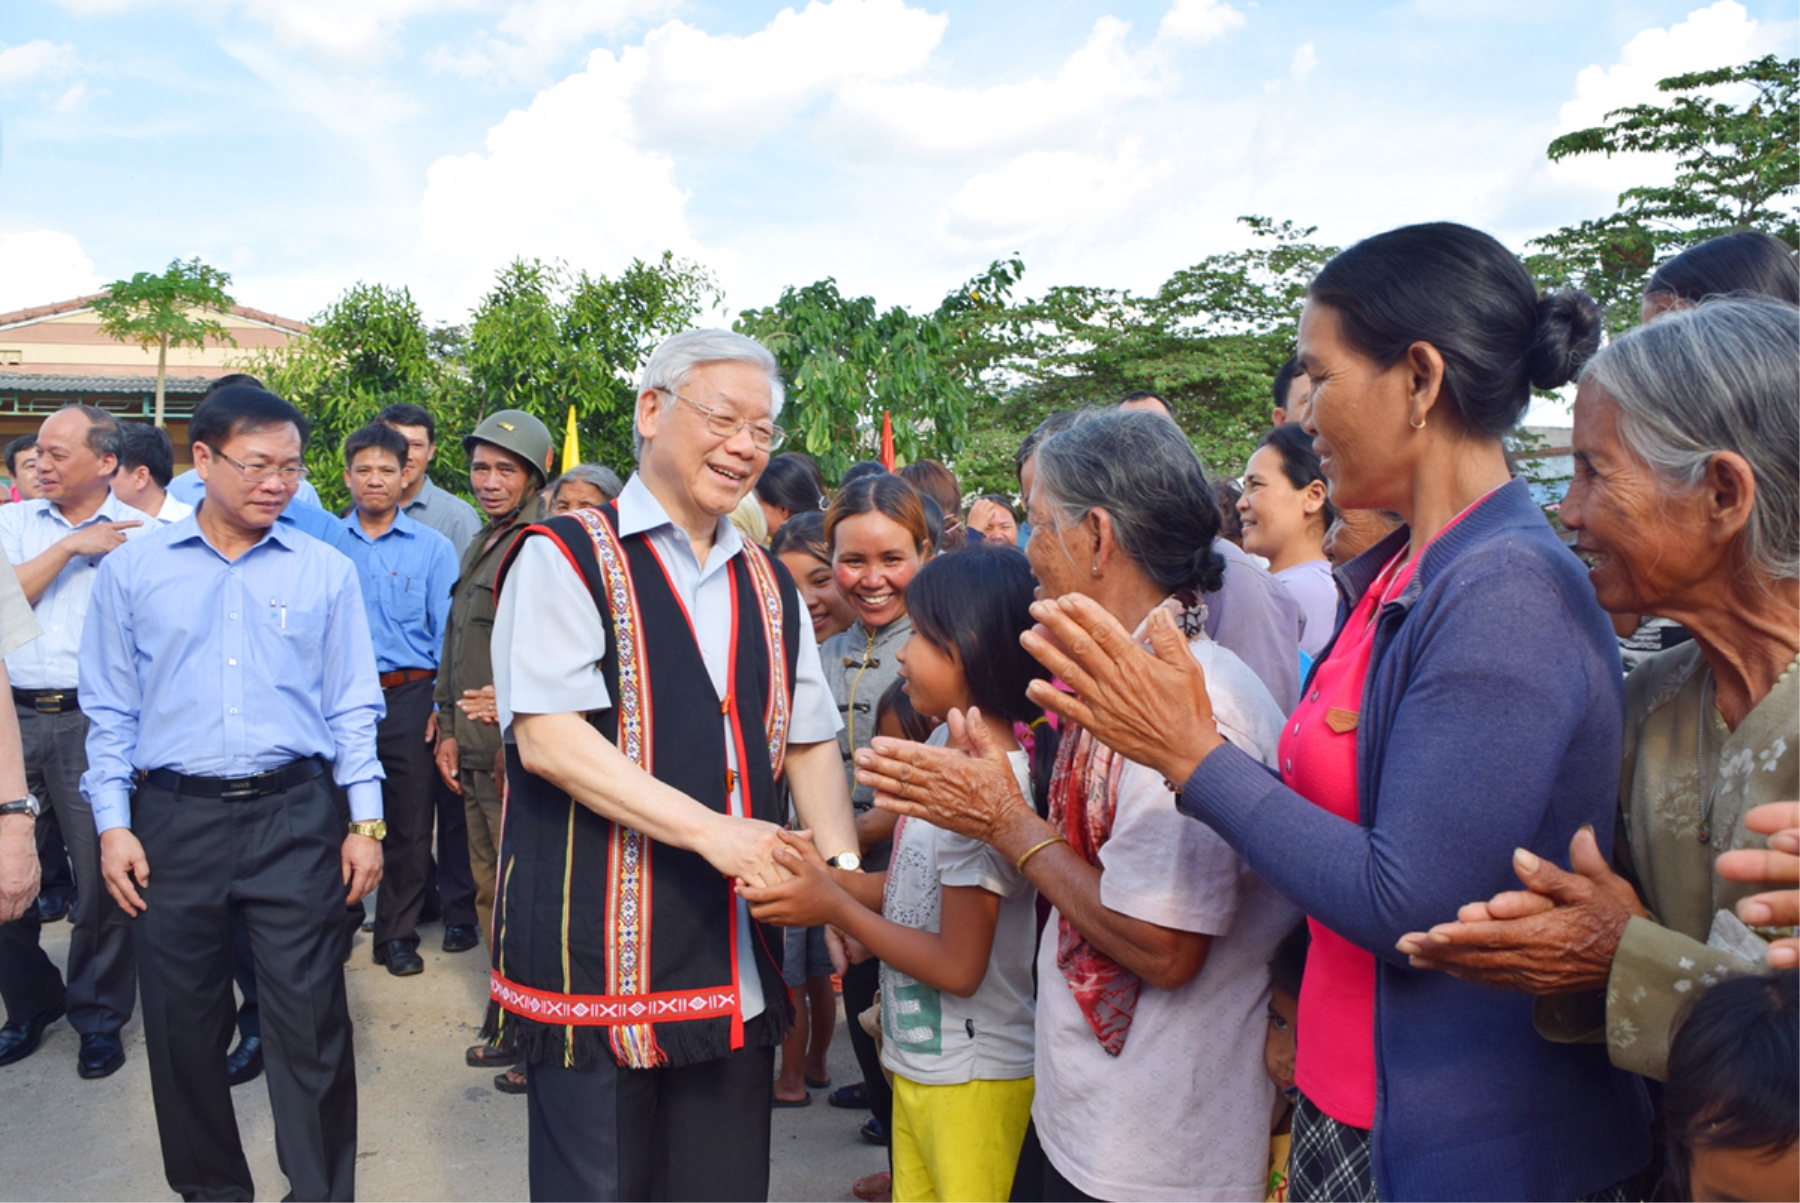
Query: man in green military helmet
{"x":509,"y":462}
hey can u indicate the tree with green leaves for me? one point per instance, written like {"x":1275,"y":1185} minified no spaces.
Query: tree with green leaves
{"x":1209,"y":341}
{"x":1737,"y":167}
{"x":845,"y":361}
{"x":546,"y":338}
{"x":367,"y":350}
{"x":167,"y":310}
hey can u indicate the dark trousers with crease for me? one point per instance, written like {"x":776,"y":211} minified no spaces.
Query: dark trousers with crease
{"x":449,"y":879}
{"x":406,"y":803}
{"x":274,"y":866}
{"x":102,"y":975}
{"x":699,"y":1132}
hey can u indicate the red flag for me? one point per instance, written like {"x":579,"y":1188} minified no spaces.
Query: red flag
{"x":887,"y":441}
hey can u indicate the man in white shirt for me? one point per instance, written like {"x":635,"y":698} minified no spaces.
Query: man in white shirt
{"x":146,"y":465}
{"x":621,"y":635}
{"x":56,"y":545}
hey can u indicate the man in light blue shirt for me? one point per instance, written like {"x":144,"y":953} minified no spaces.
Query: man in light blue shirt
{"x":406,"y":571}
{"x":57,"y":545}
{"x":228,"y":670}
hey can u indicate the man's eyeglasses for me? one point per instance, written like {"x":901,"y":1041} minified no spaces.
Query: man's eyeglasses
{"x":766,"y":435}
{"x":289,"y":474}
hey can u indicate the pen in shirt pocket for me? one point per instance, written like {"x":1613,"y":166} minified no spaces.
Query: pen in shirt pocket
{"x":279,"y":611}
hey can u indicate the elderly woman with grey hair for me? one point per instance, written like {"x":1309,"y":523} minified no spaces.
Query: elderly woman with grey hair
{"x":584,"y":486}
{"x":1686,"y":502}
{"x":1152,"y":971}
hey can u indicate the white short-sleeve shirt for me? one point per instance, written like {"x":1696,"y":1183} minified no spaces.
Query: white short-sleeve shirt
{"x":1183,"y":1111}
{"x":549,"y":640}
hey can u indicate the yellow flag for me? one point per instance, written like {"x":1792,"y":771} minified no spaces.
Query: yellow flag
{"x":571,"y":443}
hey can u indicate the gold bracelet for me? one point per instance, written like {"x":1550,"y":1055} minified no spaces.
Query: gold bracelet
{"x":1033,"y":851}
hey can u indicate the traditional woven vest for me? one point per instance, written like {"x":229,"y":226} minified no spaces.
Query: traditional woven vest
{"x":607,"y":940}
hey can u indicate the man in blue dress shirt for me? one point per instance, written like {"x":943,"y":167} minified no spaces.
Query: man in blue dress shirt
{"x":407,"y":570}
{"x":227,"y":670}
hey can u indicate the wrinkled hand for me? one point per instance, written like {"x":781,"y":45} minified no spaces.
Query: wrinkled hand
{"x":121,"y":861}
{"x":972,"y":793}
{"x":1557,"y":937}
{"x":744,"y":850}
{"x":1779,"y":864}
{"x":449,"y":763}
{"x":809,"y":898}
{"x":1149,"y":708}
{"x":479,"y":705}
{"x":98,"y":539}
{"x":362,"y":865}
{"x":18,"y":865}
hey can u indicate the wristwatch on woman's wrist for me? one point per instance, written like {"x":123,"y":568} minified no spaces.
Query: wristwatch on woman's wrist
{"x":849,"y":862}
{"x":28,"y":805}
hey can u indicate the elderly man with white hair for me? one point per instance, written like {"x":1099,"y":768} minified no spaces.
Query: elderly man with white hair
{"x":656,"y":679}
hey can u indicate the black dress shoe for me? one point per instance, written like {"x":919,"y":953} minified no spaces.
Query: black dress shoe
{"x":245,"y":1064}
{"x":19,"y":1040}
{"x":460,"y":938}
{"x":400,"y":957}
{"x":101,"y":1054}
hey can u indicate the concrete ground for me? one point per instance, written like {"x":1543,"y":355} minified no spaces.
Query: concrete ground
{"x":431,"y":1127}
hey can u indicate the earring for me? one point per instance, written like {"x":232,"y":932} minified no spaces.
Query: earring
{"x":1094,"y":568}
{"x":1419,"y":425}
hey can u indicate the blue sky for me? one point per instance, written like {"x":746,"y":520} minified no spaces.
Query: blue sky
{"x":898,"y":146}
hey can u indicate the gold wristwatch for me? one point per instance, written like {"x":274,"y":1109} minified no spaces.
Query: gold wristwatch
{"x":376,"y":830}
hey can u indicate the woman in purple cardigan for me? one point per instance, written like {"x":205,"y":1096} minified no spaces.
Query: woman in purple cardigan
{"x":1468,"y":705}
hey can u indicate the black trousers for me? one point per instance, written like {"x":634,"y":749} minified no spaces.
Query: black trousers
{"x":860,"y":985}
{"x":406,"y":803}
{"x":449,"y":880}
{"x":1037,"y":1181}
{"x":102,"y":969}
{"x":274,"y":866}
{"x":57,"y":877}
{"x":699,"y":1132}
{"x":29,"y":982}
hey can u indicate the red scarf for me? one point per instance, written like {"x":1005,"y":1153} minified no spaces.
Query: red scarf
{"x":1084,"y":794}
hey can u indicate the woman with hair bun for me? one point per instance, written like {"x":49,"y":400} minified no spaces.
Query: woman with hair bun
{"x":1469,"y":705}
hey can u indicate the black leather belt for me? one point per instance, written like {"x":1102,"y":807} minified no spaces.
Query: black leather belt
{"x":237,"y":789}
{"x":48,"y":701}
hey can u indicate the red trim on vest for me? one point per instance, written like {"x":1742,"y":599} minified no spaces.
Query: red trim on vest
{"x":612,"y":1010}
{"x":737,"y":739}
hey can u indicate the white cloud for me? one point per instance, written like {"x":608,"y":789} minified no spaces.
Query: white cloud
{"x":1197,"y":22}
{"x":1718,"y":36}
{"x":1045,"y":195}
{"x":35,"y":60}
{"x":43,"y":266}
{"x":534,"y":34}
{"x":562,"y":179}
{"x":71,"y":99}
{"x":927,"y":121}
{"x":915,"y":175}
{"x":702,"y":90}
{"x":1305,"y":59}
{"x":347,"y":33}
